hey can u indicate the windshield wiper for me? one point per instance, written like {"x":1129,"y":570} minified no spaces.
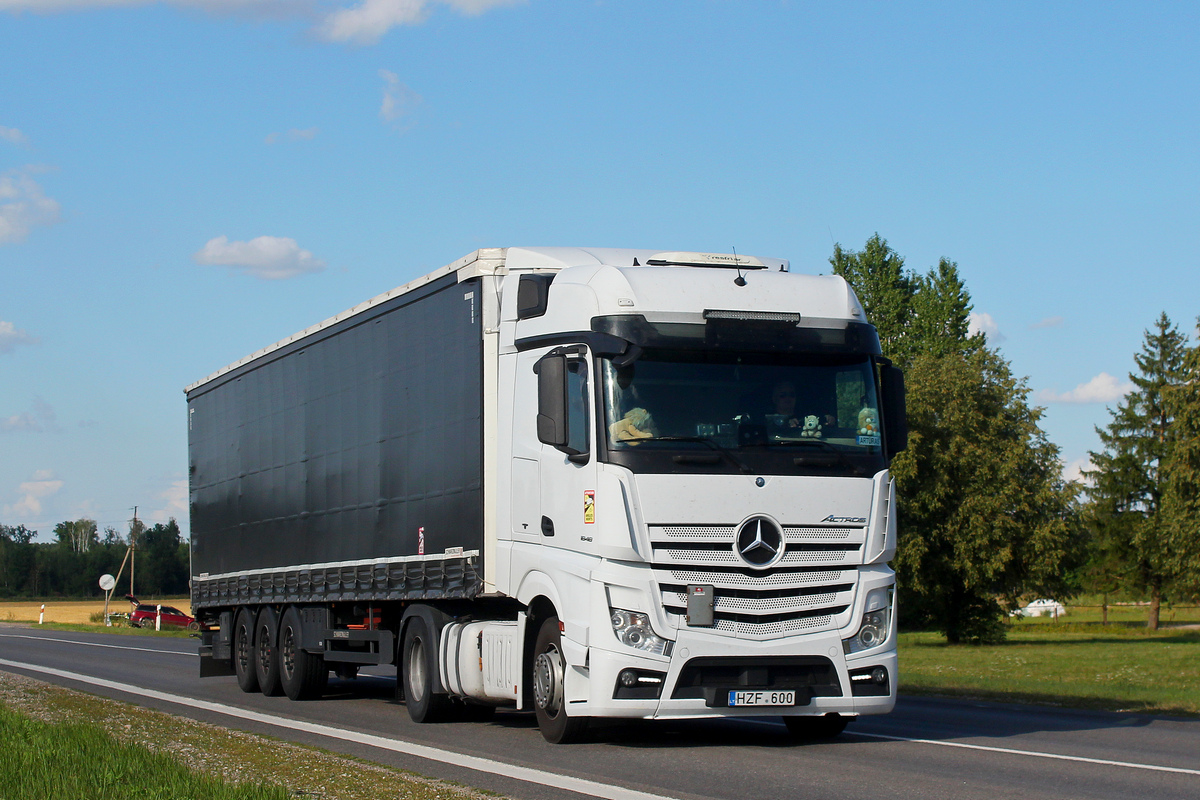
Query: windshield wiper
{"x":801,"y":461}
{"x":701,"y":440}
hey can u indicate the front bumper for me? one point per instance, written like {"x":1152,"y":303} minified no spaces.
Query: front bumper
{"x":777,"y":662}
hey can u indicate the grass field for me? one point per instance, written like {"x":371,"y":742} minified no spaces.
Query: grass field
{"x":1073,"y":661}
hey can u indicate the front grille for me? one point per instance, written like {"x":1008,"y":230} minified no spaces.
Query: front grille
{"x":810,"y":589}
{"x":810,"y":676}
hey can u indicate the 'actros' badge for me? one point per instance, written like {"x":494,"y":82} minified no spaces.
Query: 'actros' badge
{"x":759,"y":542}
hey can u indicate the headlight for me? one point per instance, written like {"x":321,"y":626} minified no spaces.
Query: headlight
{"x":876,"y":623}
{"x":633,"y":630}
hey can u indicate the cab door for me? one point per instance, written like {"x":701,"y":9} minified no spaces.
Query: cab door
{"x":567,"y":464}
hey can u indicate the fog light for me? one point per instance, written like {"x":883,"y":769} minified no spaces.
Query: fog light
{"x":879,"y":675}
{"x":638,"y":684}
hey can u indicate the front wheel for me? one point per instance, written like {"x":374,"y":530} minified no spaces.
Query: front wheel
{"x":419,"y":660}
{"x":813,"y":729}
{"x":549,"y":684}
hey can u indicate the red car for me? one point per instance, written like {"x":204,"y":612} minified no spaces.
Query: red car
{"x":144,"y":613}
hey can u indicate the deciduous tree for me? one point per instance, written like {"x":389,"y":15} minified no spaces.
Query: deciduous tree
{"x":984,"y":513}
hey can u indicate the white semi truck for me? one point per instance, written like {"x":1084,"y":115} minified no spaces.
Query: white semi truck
{"x":594,"y":483}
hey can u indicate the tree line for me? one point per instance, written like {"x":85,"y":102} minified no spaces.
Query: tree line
{"x":986,"y":517}
{"x":72,"y":564}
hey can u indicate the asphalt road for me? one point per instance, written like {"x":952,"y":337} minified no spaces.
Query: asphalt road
{"x":927,"y":748}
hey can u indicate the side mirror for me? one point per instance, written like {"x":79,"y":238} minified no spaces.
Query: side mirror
{"x":895,"y":411}
{"x":552,"y":400}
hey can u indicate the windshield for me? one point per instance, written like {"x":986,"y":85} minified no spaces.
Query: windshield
{"x":740,"y":406}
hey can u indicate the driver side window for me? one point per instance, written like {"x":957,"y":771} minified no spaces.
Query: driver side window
{"x":577,"y":406}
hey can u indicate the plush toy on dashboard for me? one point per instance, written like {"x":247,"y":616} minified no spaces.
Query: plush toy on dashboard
{"x":811,"y":428}
{"x":868,"y":422}
{"x":637,"y":424}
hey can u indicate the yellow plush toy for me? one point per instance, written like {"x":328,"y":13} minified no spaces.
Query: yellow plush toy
{"x":637,"y":424}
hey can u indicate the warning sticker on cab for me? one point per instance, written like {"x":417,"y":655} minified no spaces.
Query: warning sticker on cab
{"x":589,"y":507}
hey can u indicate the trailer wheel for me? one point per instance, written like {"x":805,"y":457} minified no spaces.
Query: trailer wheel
{"x":303,"y":675}
{"x":549,"y":696}
{"x":243,"y":652}
{"x":814,"y":729}
{"x":266,"y":654}
{"x":420,"y":663}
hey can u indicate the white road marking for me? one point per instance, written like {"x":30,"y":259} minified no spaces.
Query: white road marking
{"x":1015,"y":752}
{"x":97,"y":644}
{"x":527,"y":774}
{"x":1034,"y":753}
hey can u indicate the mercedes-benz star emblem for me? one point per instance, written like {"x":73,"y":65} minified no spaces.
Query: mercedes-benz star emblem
{"x":759,"y":542}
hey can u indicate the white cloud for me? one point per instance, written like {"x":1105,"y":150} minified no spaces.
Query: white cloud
{"x":40,"y":418}
{"x":1048,"y":322}
{"x":399,"y":102}
{"x":1073,"y":471}
{"x":175,"y":501}
{"x":12,"y":135}
{"x":476,"y":7}
{"x":270,"y":258}
{"x":1103,"y":388}
{"x":368,"y":20}
{"x":42,"y":485}
{"x":985,"y":324}
{"x":12,"y":337}
{"x":23,"y":206}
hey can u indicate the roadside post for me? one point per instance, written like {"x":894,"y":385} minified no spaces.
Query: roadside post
{"x":42,"y":614}
{"x":158,"y":618}
{"x":107,"y":582}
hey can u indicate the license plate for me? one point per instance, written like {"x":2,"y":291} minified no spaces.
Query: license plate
{"x":762,"y":698}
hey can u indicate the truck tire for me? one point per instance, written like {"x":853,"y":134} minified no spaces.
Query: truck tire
{"x":548,"y":674}
{"x":303,"y":675}
{"x":814,"y":729}
{"x":243,"y":652}
{"x":419,"y":660}
{"x":266,"y":654}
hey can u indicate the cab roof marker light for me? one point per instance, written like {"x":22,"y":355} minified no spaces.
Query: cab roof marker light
{"x":729,"y":261}
{"x":755,"y":316}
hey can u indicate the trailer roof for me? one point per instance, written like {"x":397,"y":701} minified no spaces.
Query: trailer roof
{"x":499,"y":260}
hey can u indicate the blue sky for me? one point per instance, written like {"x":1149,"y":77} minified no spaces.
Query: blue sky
{"x":183,"y":182}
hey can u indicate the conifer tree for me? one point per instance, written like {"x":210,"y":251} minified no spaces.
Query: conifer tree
{"x":884,"y":288}
{"x":1181,"y":477}
{"x":1126,"y":481}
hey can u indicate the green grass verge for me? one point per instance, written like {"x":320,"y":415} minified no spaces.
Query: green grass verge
{"x":60,"y":743}
{"x":1077,"y":664}
{"x":69,"y":761}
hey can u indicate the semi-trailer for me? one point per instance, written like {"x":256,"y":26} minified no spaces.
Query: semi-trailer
{"x":594,"y":483}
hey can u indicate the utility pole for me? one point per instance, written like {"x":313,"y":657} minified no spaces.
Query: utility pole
{"x":133,"y":531}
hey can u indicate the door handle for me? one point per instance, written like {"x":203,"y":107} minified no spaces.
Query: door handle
{"x":547,"y":526}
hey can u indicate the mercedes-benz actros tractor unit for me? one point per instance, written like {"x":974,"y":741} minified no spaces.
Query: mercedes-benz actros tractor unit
{"x":593,"y":483}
